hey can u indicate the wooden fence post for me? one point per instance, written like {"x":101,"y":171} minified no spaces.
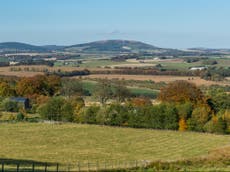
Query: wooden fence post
{"x":2,"y":166}
{"x":33,"y":167}
{"x":17,"y":167}
{"x":57,"y":167}
{"x":46,"y":167}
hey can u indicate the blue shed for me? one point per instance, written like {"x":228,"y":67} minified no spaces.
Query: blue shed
{"x":22,"y":101}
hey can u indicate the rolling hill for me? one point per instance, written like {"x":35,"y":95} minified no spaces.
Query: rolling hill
{"x":20,"y":47}
{"x":109,"y":47}
{"x":112,"y":46}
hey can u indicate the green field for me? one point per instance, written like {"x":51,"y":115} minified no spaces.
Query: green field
{"x":68,"y":143}
{"x":136,"y":91}
{"x":144,"y":92}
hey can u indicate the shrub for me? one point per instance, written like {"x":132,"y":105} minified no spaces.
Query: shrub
{"x":52,"y":110}
{"x":200,"y":116}
{"x":20,"y":116}
{"x":216,"y":125}
{"x":88,"y":115}
{"x":10,"y":106}
{"x":182,"y":125}
{"x":116,"y":114}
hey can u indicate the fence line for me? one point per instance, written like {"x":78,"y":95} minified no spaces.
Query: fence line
{"x":76,"y":167}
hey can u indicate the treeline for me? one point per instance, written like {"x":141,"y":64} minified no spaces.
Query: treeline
{"x":182,"y":107}
{"x":69,"y":73}
{"x":215,"y":73}
{"x":180,"y":104}
{"x":145,"y":71}
{"x":47,"y":71}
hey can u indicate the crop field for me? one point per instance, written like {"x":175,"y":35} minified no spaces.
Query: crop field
{"x":68,"y":143}
{"x":160,"y":78}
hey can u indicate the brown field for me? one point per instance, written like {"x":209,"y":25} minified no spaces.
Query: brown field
{"x":7,"y":72}
{"x":156,"y":78}
{"x":159,"y":78}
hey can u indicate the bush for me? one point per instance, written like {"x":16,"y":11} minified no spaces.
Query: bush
{"x":216,"y":125}
{"x":67,"y":112}
{"x":89,"y":114}
{"x":201,"y":116}
{"x":52,"y":110}
{"x":116,"y":114}
{"x":10,"y":106}
{"x":20,"y":116}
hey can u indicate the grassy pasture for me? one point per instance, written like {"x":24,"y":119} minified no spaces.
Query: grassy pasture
{"x":68,"y":143}
{"x":91,"y":85}
{"x":144,"y":92}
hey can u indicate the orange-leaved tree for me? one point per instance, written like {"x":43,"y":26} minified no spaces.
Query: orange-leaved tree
{"x":180,"y":92}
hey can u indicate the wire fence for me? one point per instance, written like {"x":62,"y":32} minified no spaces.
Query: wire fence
{"x":76,"y":167}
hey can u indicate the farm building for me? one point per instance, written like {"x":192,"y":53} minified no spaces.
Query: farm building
{"x":22,"y":102}
{"x":198,"y":68}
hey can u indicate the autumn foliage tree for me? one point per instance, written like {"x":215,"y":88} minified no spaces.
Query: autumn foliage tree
{"x":6,"y":90}
{"x":38,"y":85}
{"x":181,"y":92}
{"x":139,"y":102}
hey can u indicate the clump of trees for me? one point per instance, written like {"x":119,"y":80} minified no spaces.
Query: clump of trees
{"x":215,"y":73}
{"x":197,"y":111}
{"x":60,"y":109}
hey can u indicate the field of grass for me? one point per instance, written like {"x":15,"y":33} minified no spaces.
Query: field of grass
{"x":68,"y":143}
{"x":91,"y":85}
{"x":144,"y":92}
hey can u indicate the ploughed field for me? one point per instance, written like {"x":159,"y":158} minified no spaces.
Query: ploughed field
{"x":69,"y":143}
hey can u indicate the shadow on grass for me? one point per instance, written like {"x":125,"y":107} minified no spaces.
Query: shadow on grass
{"x":20,"y":165}
{"x":24,"y":162}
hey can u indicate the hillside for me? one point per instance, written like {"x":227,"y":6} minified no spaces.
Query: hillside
{"x":108,"y":47}
{"x":68,"y":143}
{"x":112,"y":46}
{"x":20,"y":47}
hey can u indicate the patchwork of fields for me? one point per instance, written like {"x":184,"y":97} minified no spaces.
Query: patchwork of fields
{"x":160,"y":78}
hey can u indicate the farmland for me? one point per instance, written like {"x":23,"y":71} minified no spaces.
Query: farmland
{"x":197,"y":80}
{"x":111,"y":92}
{"x":68,"y":143}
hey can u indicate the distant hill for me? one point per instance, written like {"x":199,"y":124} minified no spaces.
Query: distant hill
{"x":53,"y":47}
{"x":217,"y":51}
{"x":109,"y":47}
{"x":20,"y":47}
{"x":112,"y":46}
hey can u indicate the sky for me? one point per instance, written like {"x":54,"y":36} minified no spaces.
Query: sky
{"x":163,"y":23}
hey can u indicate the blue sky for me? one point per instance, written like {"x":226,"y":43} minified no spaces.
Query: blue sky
{"x":163,"y":23}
